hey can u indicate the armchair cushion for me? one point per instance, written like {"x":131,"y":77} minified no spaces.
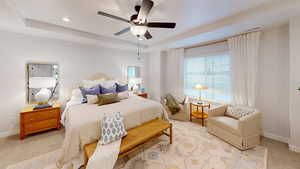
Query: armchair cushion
{"x":226,"y":123}
{"x":217,"y":111}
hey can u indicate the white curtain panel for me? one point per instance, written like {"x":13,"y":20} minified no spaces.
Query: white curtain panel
{"x":174,"y":72}
{"x":244,"y":54}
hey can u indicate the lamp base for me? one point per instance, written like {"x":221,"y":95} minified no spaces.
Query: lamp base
{"x":41,"y":106}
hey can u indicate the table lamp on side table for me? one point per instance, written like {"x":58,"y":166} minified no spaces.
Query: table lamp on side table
{"x":136,"y":83}
{"x":200,"y":88}
{"x":44,"y":95}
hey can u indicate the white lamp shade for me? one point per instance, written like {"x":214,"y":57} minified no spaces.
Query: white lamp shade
{"x":42,"y":82}
{"x":200,"y":87}
{"x":43,"y":95}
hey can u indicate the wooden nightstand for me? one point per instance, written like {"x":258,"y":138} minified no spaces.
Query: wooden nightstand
{"x":144,"y":95}
{"x":33,"y":121}
{"x":199,"y":112}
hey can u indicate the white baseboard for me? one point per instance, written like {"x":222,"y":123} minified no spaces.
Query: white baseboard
{"x":275,"y":137}
{"x":294,"y":148}
{"x":9,"y":133}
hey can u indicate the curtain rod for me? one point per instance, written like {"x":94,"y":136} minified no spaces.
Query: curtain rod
{"x":257,"y":29}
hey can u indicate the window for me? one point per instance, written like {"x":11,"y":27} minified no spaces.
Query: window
{"x":208,"y":66}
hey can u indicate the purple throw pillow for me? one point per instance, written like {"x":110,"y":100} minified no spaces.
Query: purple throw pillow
{"x":89,"y":91}
{"x":112,"y":89}
{"x":121,"y":88}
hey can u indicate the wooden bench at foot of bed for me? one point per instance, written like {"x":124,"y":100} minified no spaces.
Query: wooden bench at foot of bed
{"x":136,"y":138}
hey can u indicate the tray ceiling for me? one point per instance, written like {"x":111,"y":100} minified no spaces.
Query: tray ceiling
{"x":83,"y":14}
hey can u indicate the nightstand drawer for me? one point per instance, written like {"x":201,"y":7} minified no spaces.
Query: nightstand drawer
{"x":40,"y":115}
{"x":40,"y":126}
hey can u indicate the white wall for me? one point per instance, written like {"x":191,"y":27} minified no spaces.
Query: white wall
{"x":294,"y":84}
{"x":154,"y":75}
{"x":173,"y":62}
{"x":76,"y":62}
{"x":273,"y":82}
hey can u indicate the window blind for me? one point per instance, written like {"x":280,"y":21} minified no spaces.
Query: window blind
{"x":208,"y":66}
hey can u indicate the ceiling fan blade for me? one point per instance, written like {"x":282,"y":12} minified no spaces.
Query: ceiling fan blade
{"x":122,"y":31}
{"x":148,"y":35}
{"x":144,"y":11}
{"x":113,"y":16}
{"x":161,"y":24}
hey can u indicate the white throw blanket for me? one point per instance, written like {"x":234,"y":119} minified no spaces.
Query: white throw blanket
{"x":105,"y":156}
{"x":83,"y":123}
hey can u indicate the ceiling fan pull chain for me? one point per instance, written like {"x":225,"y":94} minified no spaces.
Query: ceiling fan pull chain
{"x":138,"y":41}
{"x":138,"y":50}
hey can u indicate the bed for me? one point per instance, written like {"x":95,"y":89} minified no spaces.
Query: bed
{"x":83,"y":121}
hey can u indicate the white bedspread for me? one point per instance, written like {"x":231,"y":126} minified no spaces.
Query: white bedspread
{"x":82,"y":122}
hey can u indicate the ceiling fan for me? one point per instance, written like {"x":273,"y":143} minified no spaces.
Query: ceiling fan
{"x":138,"y":22}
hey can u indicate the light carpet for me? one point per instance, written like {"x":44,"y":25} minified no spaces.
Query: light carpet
{"x":192,"y":148}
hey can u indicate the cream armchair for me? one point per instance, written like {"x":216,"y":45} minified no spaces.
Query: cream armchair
{"x":243,"y":133}
{"x":183,"y":114}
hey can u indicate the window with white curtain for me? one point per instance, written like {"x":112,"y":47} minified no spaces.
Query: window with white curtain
{"x":208,"y":66}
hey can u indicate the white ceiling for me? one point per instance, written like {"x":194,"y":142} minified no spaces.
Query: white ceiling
{"x":83,"y":13}
{"x":193,"y":17}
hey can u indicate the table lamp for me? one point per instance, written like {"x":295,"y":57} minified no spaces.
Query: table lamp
{"x":136,"y":82}
{"x":44,"y":95}
{"x":200,"y":88}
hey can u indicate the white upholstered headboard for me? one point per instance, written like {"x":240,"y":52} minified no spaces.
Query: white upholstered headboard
{"x":96,"y":76}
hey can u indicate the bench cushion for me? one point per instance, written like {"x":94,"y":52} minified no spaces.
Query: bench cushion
{"x":135,"y":136}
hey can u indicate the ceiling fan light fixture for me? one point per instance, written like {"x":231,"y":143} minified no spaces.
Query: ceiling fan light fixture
{"x":138,"y":30}
{"x":66,"y":19}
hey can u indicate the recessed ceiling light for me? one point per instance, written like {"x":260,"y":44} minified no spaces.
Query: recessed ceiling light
{"x":66,"y":19}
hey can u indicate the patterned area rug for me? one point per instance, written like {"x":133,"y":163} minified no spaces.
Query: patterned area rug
{"x":192,"y":148}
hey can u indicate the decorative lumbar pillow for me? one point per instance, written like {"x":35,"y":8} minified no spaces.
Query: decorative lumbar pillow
{"x":121,"y":88}
{"x":112,"y":89}
{"x":107,"y":98}
{"x":112,"y":129}
{"x":172,"y":104}
{"x":89,"y":91}
{"x":237,"y":112}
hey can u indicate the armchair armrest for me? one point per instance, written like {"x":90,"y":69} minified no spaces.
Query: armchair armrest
{"x":251,"y":124}
{"x":217,"y":111}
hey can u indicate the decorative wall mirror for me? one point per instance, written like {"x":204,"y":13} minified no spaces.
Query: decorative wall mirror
{"x":42,"y":78}
{"x":134,"y":77}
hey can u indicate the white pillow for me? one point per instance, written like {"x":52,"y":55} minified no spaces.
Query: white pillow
{"x":91,"y":83}
{"x":123,"y":95}
{"x":121,"y":81}
{"x":108,"y":83}
{"x":76,"y":95}
{"x":92,"y":99}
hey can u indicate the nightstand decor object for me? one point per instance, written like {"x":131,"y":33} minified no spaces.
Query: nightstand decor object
{"x":33,"y":121}
{"x":200,"y":88}
{"x":144,"y":95}
{"x":42,"y":83}
{"x":136,"y":83}
{"x":45,"y":94}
